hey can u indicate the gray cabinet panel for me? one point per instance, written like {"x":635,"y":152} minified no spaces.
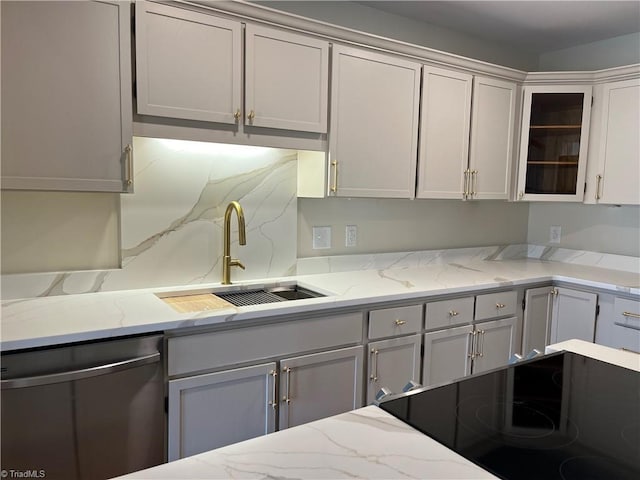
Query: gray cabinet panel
{"x":495,"y":342}
{"x":217,"y":409}
{"x":446,"y":313}
{"x":390,"y":322}
{"x":320,"y":385}
{"x":574,"y":315}
{"x":537,"y":318}
{"x":494,"y":305}
{"x":447,"y":355}
{"x":392,"y":363}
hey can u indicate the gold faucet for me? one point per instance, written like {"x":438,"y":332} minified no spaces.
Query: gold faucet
{"x":227,"y":261}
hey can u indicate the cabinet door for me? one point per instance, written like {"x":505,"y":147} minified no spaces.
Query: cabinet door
{"x":66,"y":95}
{"x":554,"y":142}
{"x":374,"y":124}
{"x":444,"y":133}
{"x":188,"y":64}
{"x":495,"y":344}
{"x":537,"y":318}
{"x":491,"y":151}
{"x":447,"y":355}
{"x":287,"y":80}
{"x":574,"y":315}
{"x":320,"y":385}
{"x":618,"y":146}
{"x":392,"y":363}
{"x":217,"y":409}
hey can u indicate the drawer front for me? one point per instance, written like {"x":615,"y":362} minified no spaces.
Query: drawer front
{"x":389,"y":322}
{"x":206,"y":351}
{"x":449,"y":312}
{"x":626,"y":313}
{"x":492,"y":305}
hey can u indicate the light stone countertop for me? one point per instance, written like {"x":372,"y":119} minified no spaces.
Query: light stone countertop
{"x":61,"y":319}
{"x":364,"y":443}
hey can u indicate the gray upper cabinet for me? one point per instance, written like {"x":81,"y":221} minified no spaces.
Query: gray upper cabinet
{"x":189,"y":66}
{"x":66,"y":96}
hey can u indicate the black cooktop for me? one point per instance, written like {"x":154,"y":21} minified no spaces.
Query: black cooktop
{"x":561,"y":416}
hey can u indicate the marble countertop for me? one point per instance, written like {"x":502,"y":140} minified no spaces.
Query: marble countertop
{"x":43,"y":321}
{"x":364,"y":443}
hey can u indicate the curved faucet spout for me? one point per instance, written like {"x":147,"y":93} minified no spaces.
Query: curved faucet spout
{"x":227,"y":261}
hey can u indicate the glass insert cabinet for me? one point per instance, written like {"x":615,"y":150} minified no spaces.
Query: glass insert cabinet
{"x":553,"y":144}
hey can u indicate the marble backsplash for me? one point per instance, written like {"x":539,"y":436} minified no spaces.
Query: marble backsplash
{"x":172,"y":226}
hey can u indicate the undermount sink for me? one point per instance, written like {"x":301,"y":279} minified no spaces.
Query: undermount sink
{"x":268,"y":295}
{"x":220,"y":299}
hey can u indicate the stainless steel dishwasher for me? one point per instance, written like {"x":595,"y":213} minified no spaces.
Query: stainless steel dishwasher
{"x":85,"y":411}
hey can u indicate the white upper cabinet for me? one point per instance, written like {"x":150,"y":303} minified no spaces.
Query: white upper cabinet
{"x":491,"y":150}
{"x":188,"y":64}
{"x":374,"y":124}
{"x":287,"y":80}
{"x":451,"y":165}
{"x":444,"y":133}
{"x":554,"y":142}
{"x":66,"y":96}
{"x":613,"y":171}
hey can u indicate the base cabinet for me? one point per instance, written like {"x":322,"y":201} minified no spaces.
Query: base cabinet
{"x":573,"y":315}
{"x":392,"y":364}
{"x":320,"y":385}
{"x":217,"y":409}
{"x":537,"y":318}
{"x":456,"y":352}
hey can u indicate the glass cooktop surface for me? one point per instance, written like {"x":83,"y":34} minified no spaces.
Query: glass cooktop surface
{"x":561,"y":416}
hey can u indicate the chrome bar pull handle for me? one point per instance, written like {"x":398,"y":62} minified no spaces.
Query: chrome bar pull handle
{"x":470,"y":351}
{"x":334,"y":186}
{"x":630,"y":314}
{"x":274,"y":398}
{"x":474,"y":181}
{"x":598,"y":184}
{"x":287,"y":397}
{"x":128,"y":179}
{"x":465,"y":193}
{"x":374,"y":356}
{"x":481,"y":343}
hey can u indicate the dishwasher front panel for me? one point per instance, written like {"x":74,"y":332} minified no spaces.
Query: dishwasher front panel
{"x":90,"y":411}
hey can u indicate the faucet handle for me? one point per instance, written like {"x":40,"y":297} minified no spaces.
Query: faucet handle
{"x":236,"y":263}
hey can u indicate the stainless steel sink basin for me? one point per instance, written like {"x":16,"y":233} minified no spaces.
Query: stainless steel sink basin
{"x":268,"y":295}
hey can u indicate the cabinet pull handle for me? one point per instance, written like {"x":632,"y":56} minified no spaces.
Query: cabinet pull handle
{"x":631,"y":314}
{"x":480,"y":343}
{"x":471,"y":350}
{"x":598,"y":183}
{"x":400,"y":322}
{"x":237,"y":115}
{"x":520,"y":195}
{"x":287,"y":397}
{"x":334,"y":186}
{"x":465,"y":193}
{"x":274,"y":398}
{"x":374,"y":355}
{"x":453,"y":313}
{"x":474,"y":181}
{"x":554,"y":292}
{"x":251,"y":115}
{"x":500,"y":305}
{"x":128,"y":180}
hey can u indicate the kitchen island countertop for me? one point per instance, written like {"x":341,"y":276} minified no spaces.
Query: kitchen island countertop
{"x":43,"y":321}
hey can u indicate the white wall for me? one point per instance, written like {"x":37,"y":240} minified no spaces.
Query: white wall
{"x":53,"y":231}
{"x":598,"y":228}
{"x":395,"y":225}
{"x":367,"y":19}
{"x":612,"y":52}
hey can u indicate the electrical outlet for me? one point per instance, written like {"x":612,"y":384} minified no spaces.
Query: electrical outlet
{"x":555,"y":233}
{"x":351,"y":236}
{"x":321,"y":238}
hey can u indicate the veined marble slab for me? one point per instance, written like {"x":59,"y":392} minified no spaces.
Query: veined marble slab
{"x":345,"y":263}
{"x":172,"y":226}
{"x":365,"y":443}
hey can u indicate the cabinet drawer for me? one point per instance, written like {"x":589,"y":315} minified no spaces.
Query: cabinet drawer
{"x":626,"y":313}
{"x":206,"y":351}
{"x":493,"y":305}
{"x":449,"y":312}
{"x":389,"y":322}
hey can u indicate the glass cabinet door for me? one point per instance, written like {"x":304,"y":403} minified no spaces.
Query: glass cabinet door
{"x":553,"y":148}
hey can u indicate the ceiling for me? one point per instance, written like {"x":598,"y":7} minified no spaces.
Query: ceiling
{"x":535,"y":26}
